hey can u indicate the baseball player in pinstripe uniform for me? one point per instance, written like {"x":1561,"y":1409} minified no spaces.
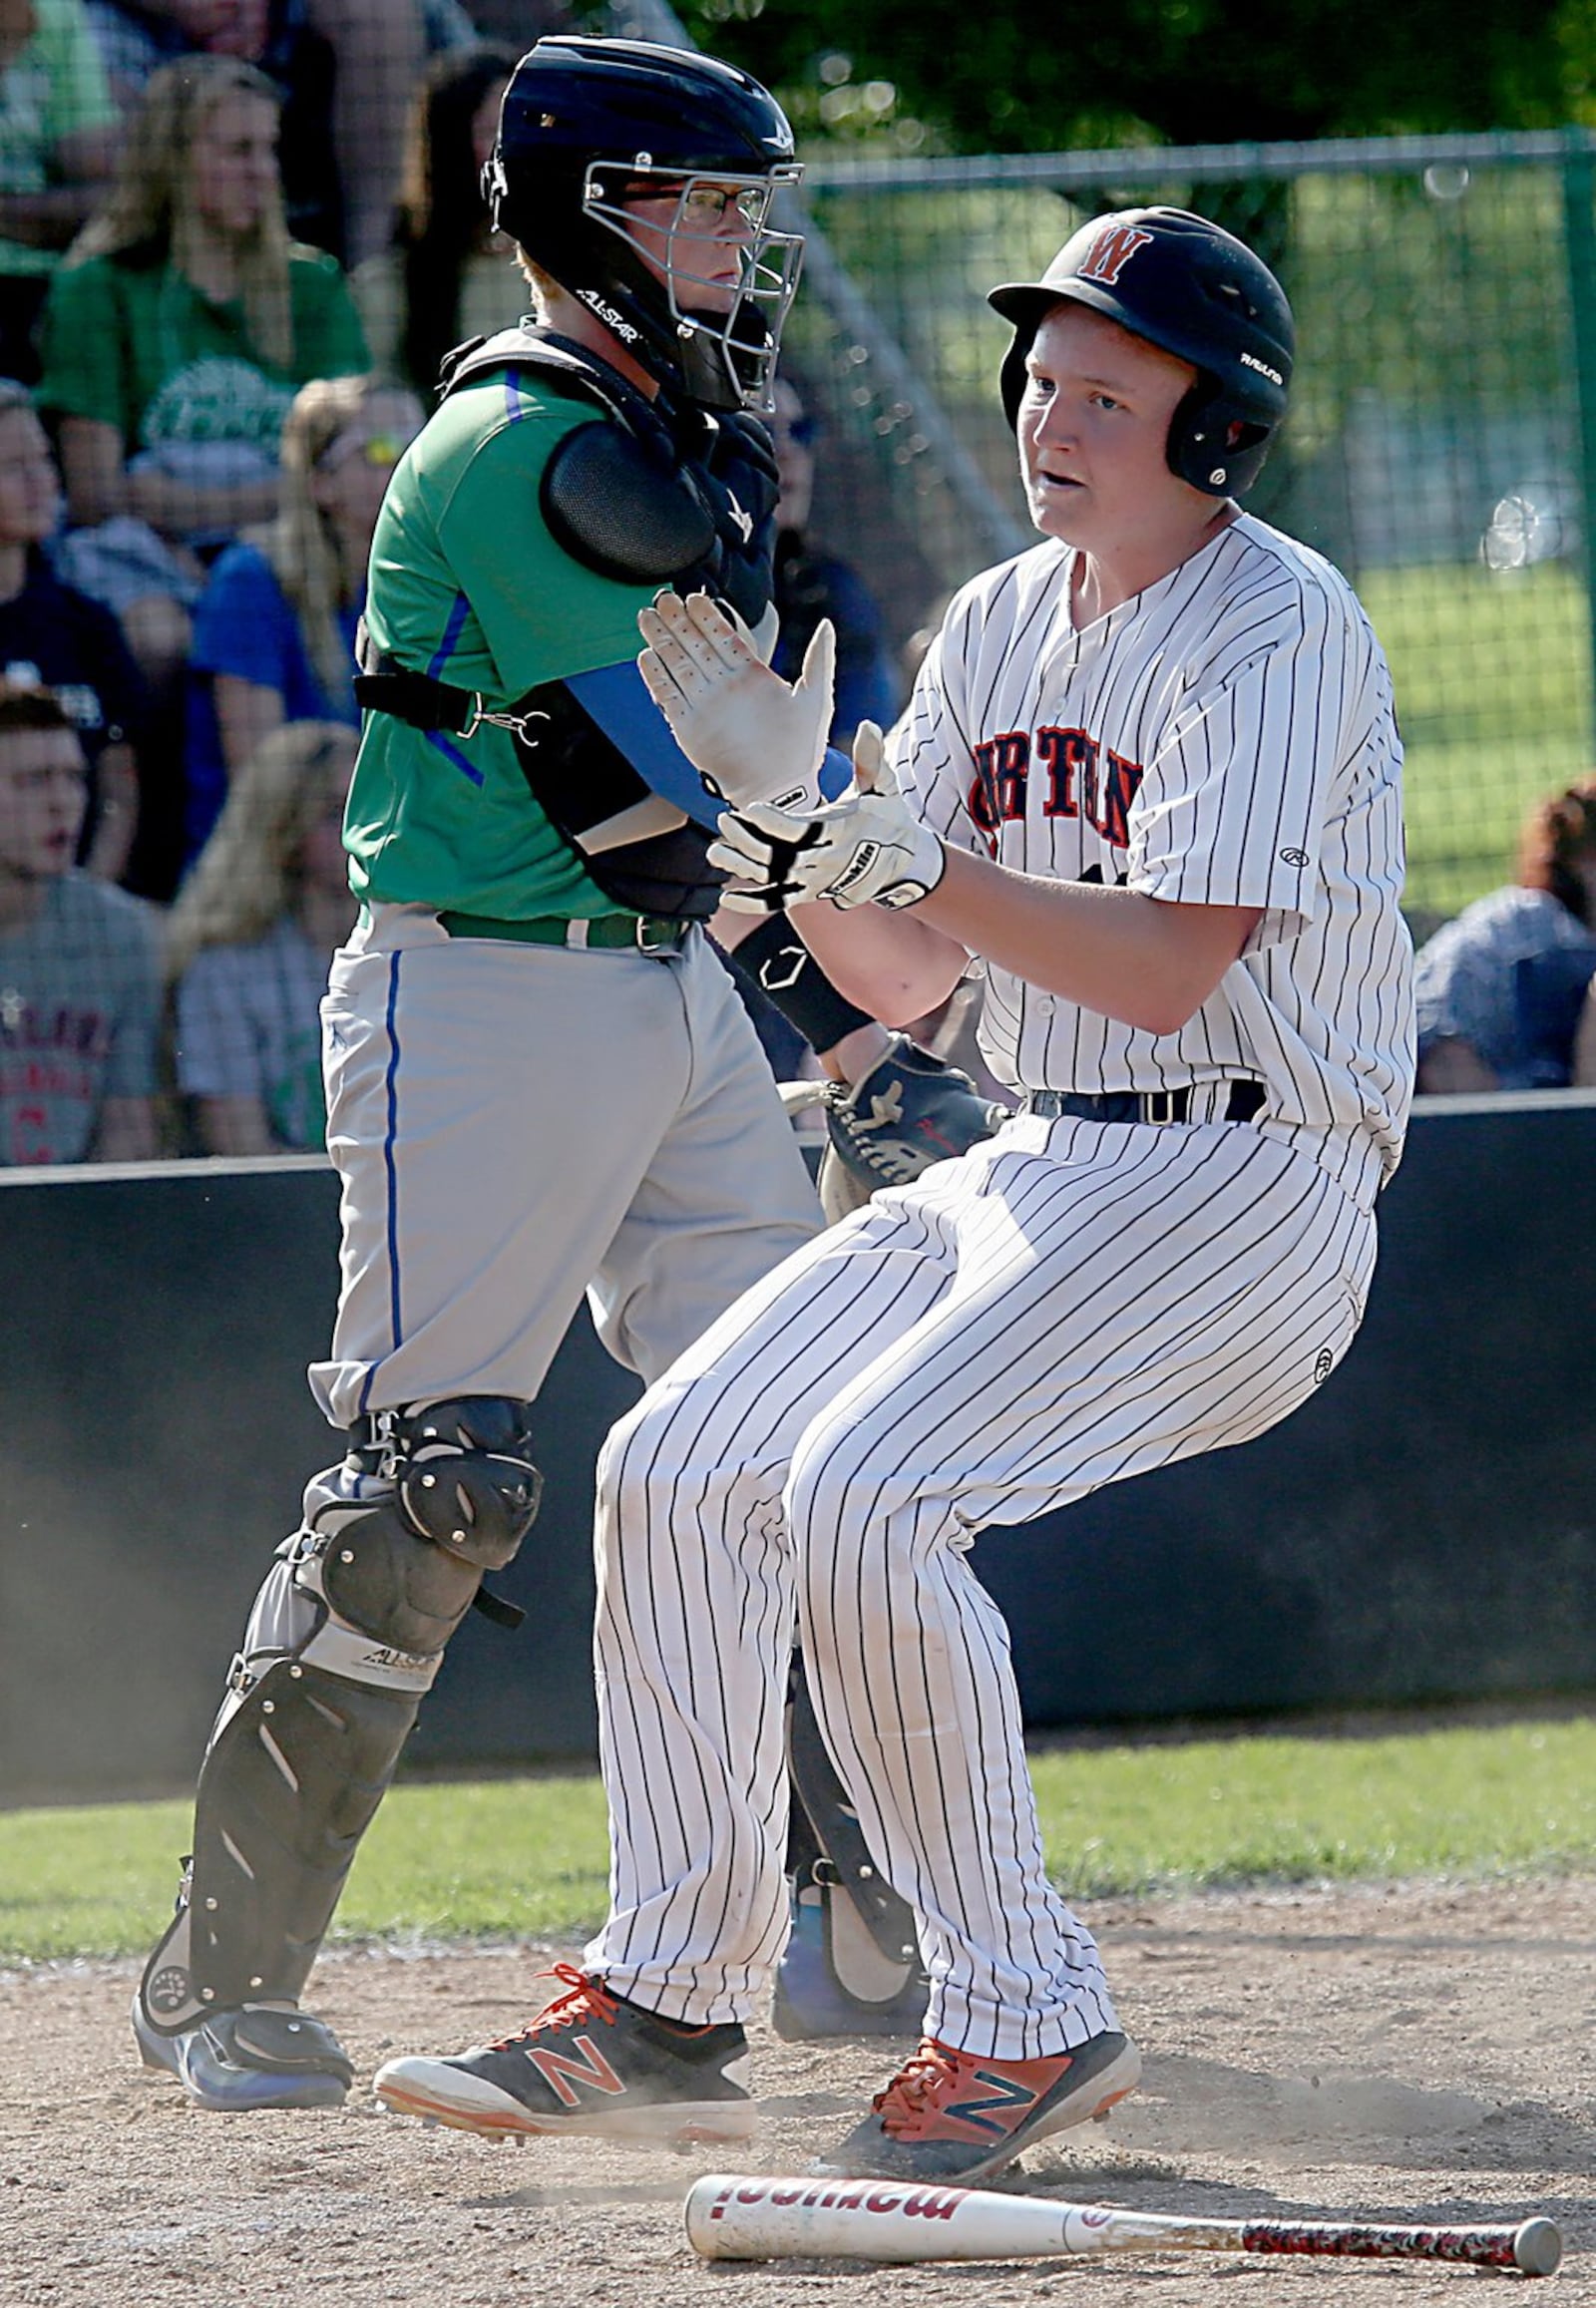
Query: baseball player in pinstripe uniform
{"x":1150,"y":774}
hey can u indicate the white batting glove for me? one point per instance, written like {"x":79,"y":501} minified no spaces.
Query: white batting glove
{"x":752,"y":737}
{"x":866,"y":850}
{"x":762,"y":637}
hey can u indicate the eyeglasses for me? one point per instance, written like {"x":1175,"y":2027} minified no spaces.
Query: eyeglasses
{"x":700,"y":208}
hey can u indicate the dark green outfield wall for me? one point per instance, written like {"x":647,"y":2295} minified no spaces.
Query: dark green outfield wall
{"x":1424,"y":1529}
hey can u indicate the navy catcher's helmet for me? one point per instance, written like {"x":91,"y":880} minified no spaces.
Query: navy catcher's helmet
{"x":1196,"y":292}
{"x":586,"y":123}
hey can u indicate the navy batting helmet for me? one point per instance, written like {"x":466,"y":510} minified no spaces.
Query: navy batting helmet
{"x":1196,"y":292}
{"x":587,"y":125}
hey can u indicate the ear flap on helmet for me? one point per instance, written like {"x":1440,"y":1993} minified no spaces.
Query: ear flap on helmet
{"x":1011,"y":376}
{"x":1212,"y":445}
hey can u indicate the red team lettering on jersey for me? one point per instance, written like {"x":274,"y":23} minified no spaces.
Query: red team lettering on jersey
{"x":1083,"y":779}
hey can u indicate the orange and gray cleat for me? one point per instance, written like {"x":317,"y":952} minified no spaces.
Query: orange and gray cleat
{"x":952,"y":2116}
{"x":591,"y":2063}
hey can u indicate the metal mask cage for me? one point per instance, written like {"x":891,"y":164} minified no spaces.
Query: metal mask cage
{"x":748,"y":334}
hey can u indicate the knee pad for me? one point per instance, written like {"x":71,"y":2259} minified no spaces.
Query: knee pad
{"x":405,"y":1566}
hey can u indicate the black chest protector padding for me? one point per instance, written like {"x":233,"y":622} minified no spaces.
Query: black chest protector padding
{"x":658,"y":494}
{"x":582,"y":779}
{"x":613,"y":507}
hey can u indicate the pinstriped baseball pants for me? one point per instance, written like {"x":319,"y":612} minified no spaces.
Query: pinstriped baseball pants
{"x":1071,"y":1304}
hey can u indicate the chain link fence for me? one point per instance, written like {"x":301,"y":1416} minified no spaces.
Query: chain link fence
{"x":1439,"y":448}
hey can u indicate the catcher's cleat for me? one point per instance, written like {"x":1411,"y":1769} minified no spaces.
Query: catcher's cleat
{"x":810,"y":2001}
{"x":952,"y":2116}
{"x":260,"y":2055}
{"x":591,"y":2063}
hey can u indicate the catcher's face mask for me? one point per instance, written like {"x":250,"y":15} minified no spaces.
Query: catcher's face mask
{"x":729,"y":278}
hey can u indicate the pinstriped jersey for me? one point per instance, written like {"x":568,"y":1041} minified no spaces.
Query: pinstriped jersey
{"x":1226,"y":737}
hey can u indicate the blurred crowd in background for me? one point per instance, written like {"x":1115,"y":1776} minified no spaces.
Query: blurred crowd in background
{"x":237,"y":239}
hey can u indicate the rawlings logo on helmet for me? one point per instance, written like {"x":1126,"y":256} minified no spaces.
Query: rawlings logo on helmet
{"x":1248,"y":361}
{"x":1111,"y":252}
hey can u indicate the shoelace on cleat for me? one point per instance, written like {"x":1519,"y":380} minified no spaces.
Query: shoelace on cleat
{"x":583,"y":1997}
{"x":915,"y":2091}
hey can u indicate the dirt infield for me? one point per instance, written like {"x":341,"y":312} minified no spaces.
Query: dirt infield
{"x":1413,"y":2052}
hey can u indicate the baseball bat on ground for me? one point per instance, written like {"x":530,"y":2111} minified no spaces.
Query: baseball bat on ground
{"x":734,"y":2219}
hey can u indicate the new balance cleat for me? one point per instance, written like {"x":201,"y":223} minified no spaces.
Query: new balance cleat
{"x":260,"y":2055}
{"x":952,"y":2116}
{"x":593,"y":2063}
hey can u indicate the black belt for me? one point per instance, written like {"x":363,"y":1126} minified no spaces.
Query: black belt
{"x":1245,"y":1099}
{"x":647,"y":933}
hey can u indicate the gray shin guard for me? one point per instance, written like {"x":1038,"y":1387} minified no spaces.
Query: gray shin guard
{"x":289,"y":1788}
{"x":343,"y":1645}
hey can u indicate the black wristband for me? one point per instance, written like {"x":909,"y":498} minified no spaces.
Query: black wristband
{"x":775,"y":959}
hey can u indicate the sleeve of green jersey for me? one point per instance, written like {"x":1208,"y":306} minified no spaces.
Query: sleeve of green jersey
{"x":542,"y":616}
{"x":76,"y":92}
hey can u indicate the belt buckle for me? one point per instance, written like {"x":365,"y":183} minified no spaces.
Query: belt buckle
{"x":656,"y":936}
{"x":1158,"y":1107}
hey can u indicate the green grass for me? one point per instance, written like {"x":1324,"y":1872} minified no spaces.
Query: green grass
{"x":1514,"y":1800}
{"x":1493,"y":692}
{"x":527,"y":1857}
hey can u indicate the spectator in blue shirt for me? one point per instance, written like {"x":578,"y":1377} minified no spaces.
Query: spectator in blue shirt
{"x":1500,"y":990}
{"x":273,"y":637}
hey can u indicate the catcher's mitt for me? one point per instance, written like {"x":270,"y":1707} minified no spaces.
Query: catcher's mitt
{"x":910,"y":1110}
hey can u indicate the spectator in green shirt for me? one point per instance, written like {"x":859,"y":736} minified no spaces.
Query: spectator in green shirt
{"x":173,"y":338}
{"x":58,"y":143}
